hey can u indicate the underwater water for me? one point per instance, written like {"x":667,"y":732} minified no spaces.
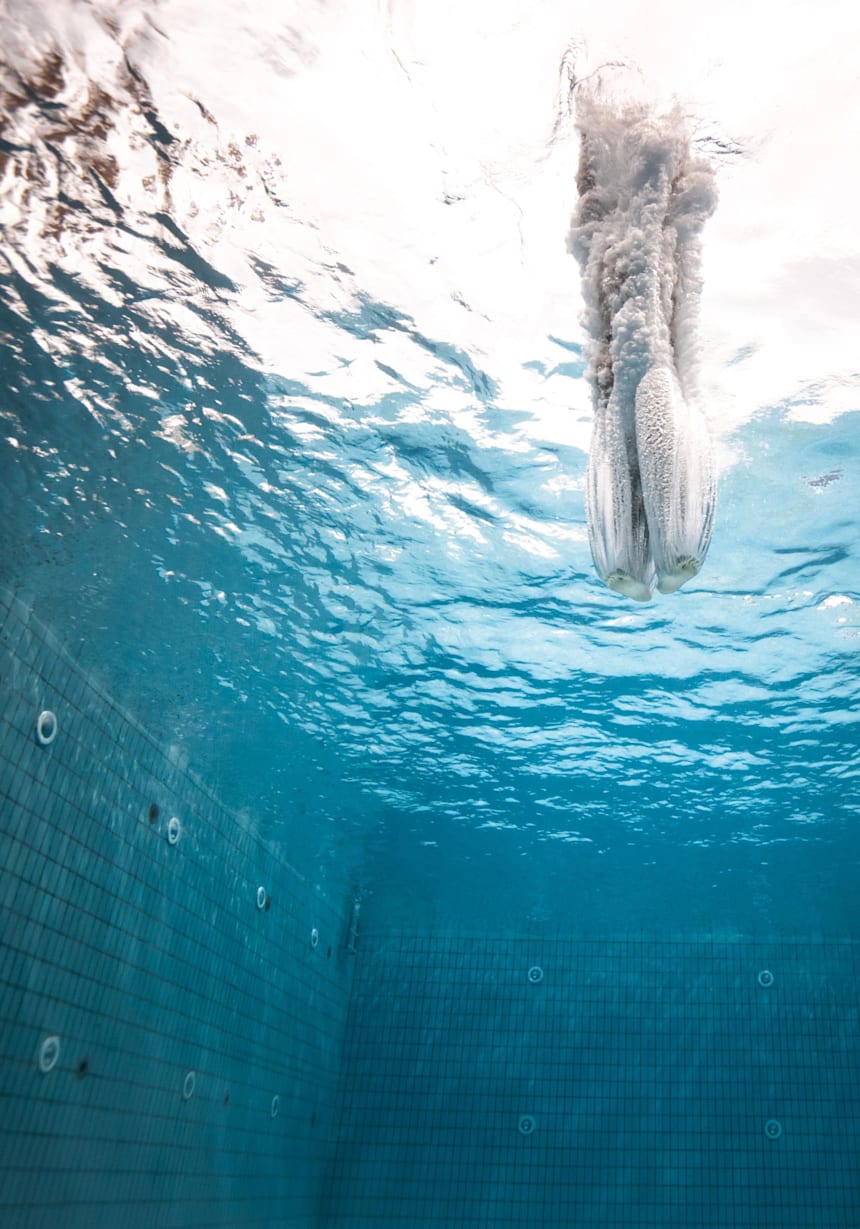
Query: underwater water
{"x":295,"y":430}
{"x":369,"y":856}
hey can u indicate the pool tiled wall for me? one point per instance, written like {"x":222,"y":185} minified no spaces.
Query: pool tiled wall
{"x":558,"y":1083}
{"x":171,"y":1010}
{"x":185,"y":1040}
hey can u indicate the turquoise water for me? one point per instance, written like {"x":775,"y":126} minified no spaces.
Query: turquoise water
{"x":294,"y":428}
{"x":381,"y":629}
{"x":293,"y":451}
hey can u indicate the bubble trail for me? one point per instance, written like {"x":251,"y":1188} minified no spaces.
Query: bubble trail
{"x":644,"y":196}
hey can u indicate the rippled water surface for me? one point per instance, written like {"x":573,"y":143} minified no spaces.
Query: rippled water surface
{"x":293,"y":439}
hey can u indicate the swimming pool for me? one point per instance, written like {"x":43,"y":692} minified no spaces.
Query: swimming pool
{"x":365,"y":860}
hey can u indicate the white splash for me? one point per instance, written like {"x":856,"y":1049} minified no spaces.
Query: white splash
{"x":644,"y":195}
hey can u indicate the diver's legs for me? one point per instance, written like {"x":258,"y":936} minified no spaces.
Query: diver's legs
{"x":674,"y":454}
{"x":617,"y":525}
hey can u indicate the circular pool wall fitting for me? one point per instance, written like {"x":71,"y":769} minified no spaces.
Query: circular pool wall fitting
{"x":188,"y":1086}
{"x":526,"y":1124}
{"x":765,"y":978}
{"x":315,"y":937}
{"x":46,"y":728}
{"x":174,"y":830}
{"x":261,"y":897}
{"x":276,"y":1106}
{"x":535,"y":974}
{"x":49,"y":1054}
{"x":773,"y":1128}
